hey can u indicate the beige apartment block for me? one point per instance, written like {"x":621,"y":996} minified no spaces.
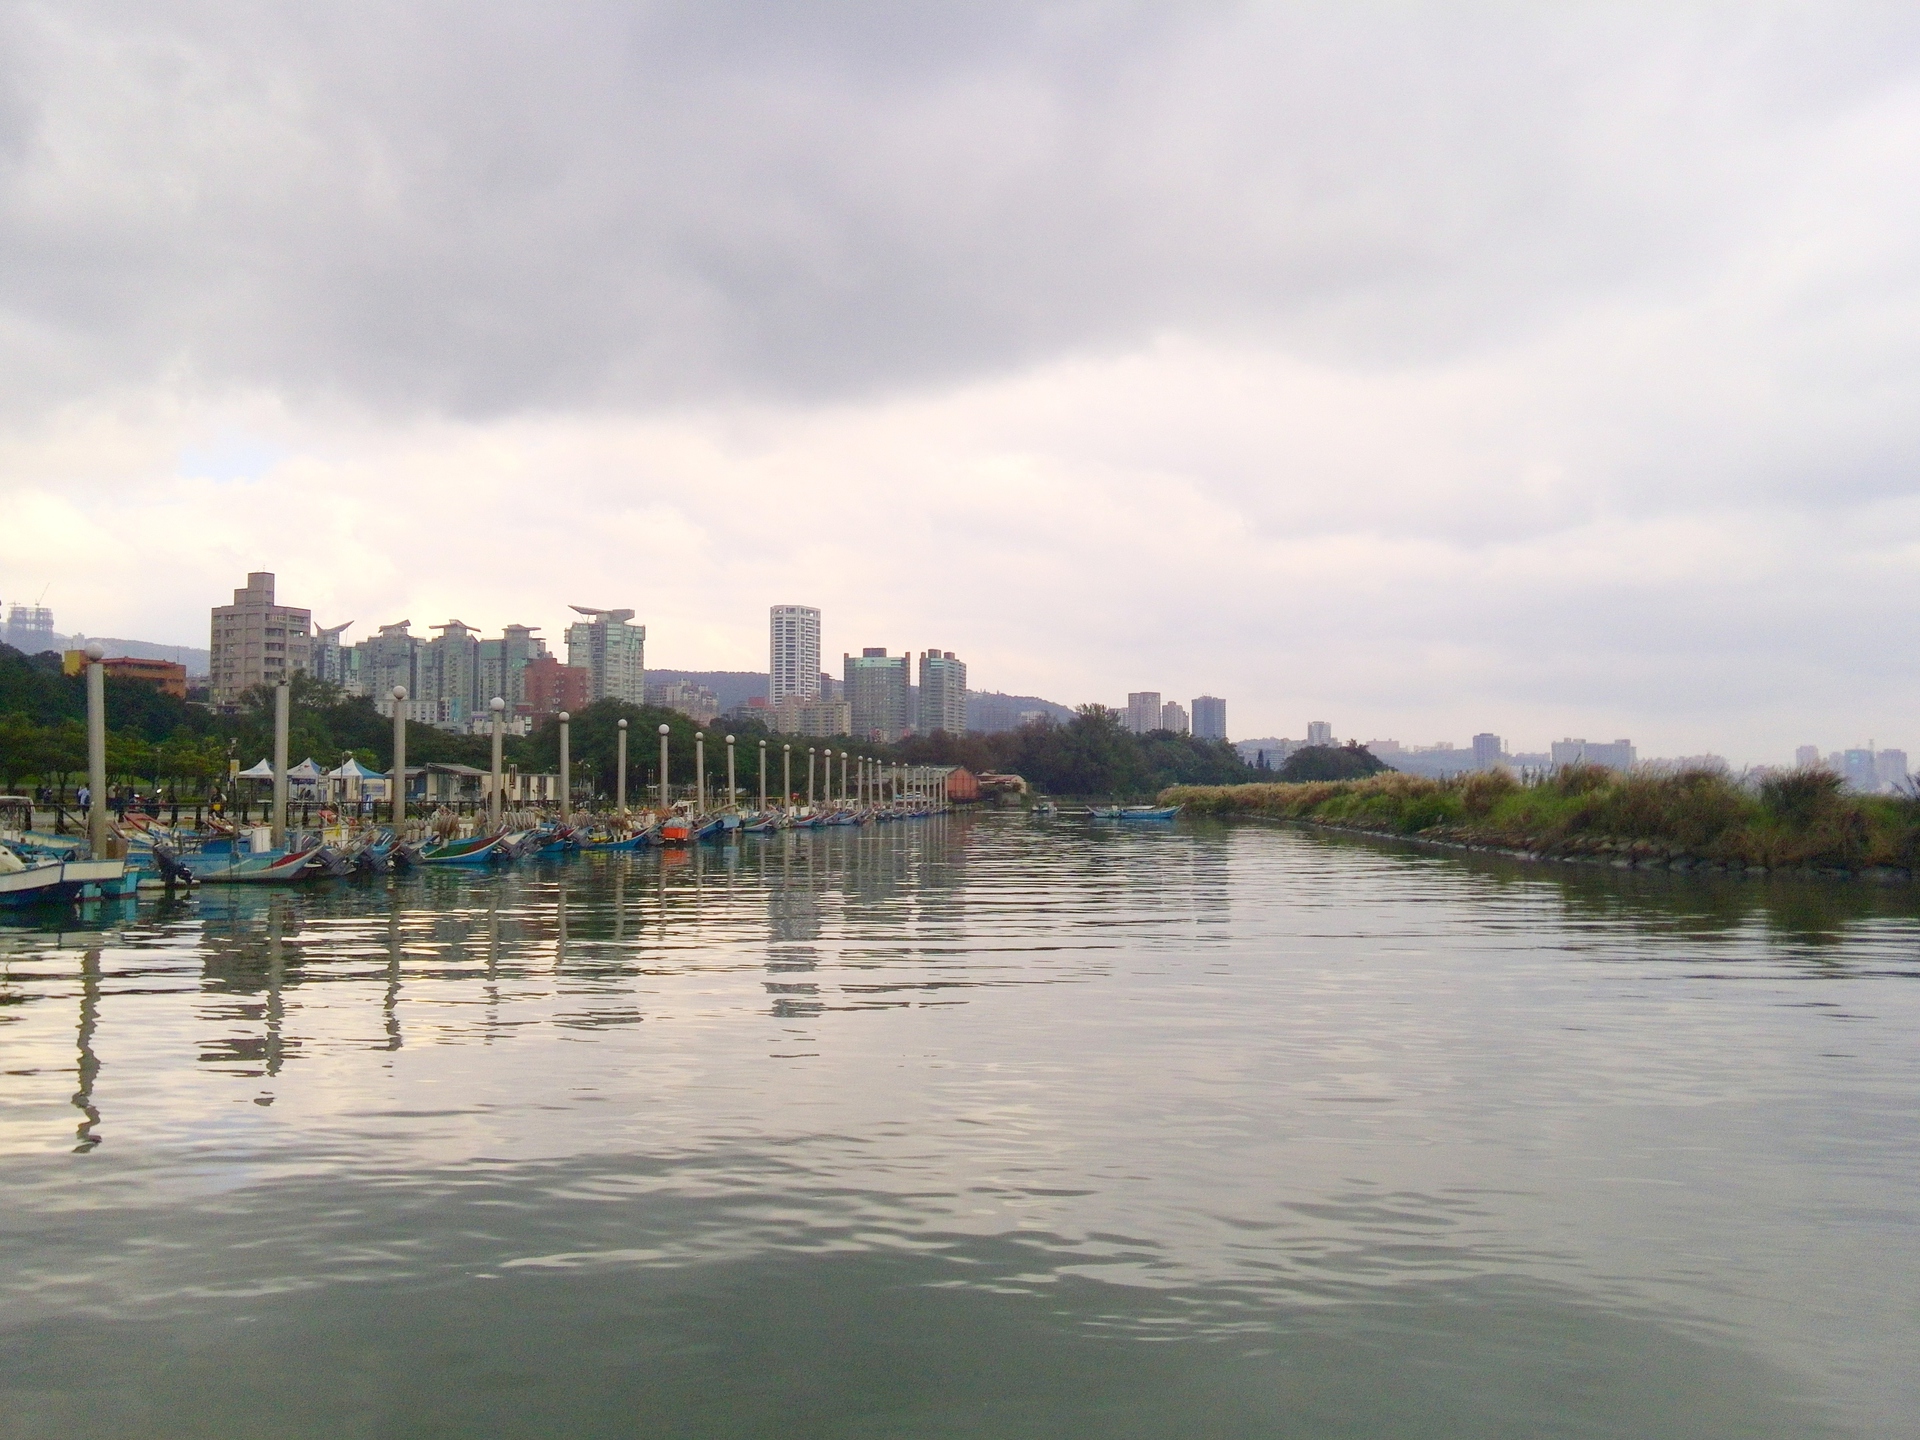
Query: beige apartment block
{"x":256,"y":641}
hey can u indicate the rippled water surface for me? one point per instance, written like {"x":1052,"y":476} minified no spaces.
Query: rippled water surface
{"x":976,"y":1126}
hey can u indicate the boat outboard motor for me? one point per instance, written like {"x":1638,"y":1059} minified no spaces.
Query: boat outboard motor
{"x":172,"y":870}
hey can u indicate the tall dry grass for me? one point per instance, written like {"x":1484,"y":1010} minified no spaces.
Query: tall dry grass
{"x":1797,"y":819}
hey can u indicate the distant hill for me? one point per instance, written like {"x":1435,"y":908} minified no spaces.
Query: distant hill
{"x":990,"y":712}
{"x":196,"y":660}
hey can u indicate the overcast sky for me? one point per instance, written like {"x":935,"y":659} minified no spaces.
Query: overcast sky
{"x":1426,"y":369}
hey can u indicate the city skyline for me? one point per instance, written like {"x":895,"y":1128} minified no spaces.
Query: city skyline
{"x":1206,"y":709}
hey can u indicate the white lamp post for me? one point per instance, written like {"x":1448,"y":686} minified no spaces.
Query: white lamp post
{"x":620,"y":772}
{"x":399,"y":760}
{"x":665,"y":730}
{"x":280,"y":703}
{"x":699,"y":772}
{"x":97,"y":750}
{"x":763,"y":775}
{"x":499,"y":708}
{"x":731,"y":792}
{"x":566,"y":769}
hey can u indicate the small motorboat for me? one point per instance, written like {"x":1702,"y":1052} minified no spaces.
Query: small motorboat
{"x":268,"y":868}
{"x":480,"y":850}
{"x":1149,"y":812}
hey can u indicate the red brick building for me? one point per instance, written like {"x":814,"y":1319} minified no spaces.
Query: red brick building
{"x":553,"y":687}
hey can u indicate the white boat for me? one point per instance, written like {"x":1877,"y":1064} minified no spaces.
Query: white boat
{"x":25,"y":882}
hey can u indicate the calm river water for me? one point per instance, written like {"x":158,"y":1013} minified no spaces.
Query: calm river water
{"x":978,"y":1126}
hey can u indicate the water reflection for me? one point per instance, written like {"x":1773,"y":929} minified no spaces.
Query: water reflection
{"x":972,"y":1126}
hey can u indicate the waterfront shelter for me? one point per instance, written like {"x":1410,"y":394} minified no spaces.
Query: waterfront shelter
{"x":353,"y":782}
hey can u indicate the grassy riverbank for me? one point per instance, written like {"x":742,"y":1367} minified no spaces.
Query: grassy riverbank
{"x":1801,"y":820}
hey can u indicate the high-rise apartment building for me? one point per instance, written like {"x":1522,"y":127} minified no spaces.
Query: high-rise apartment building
{"x":389,"y":658}
{"x":877,"y":685}
{"x":1209,"y":717}
{"x":503,"y":665}
{"x":1487,"y":750}
{"x":612,"y":651}
{"x":1173,"y":716}
{"x":943,"y":694}
{"x":1143,"y":711}
{"x":793,"y":653}
{"x":331,"y":660}
{"x":1807,"y":757}
{"x":1891,"y":767}
{"x":450,"y":673}
{"x":1319,"y":732}
{"x":256,"y":641}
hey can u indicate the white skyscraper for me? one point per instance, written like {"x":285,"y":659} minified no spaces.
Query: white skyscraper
{"x":793,"y":653}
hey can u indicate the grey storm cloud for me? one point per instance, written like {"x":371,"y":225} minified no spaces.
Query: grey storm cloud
{"x":484,"y":208}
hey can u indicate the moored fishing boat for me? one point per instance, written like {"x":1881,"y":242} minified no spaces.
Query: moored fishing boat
{"x":480,"y":850}
{"x":47,"y":878}
{"x":269,"y":868}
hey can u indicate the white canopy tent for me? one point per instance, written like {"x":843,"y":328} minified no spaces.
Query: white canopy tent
{"x":354,"y":781}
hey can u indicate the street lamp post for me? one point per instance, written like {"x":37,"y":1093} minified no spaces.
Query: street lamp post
{"x":763,"y":775}
{"x":96,"y":751}
{"x":812,"y":750}
{"x":731,"y":792}
{"x":280,"y":704}
{"x":620,"y":772}
{"x":499,"y":709}
{"x":399,"y":761}
{"x":566,"y":769}
{"x":844,"y":796}
{"x":786,"y":776}
{"x":699,"y":772}
{"x":665,"y":803}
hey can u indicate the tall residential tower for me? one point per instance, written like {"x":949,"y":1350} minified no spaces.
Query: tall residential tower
{"x":1209,"y":717}
{"x":256,"y":641}
{"x":943,"y":694}
{"x":612,"y":651}
{"x":793,"y":653}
